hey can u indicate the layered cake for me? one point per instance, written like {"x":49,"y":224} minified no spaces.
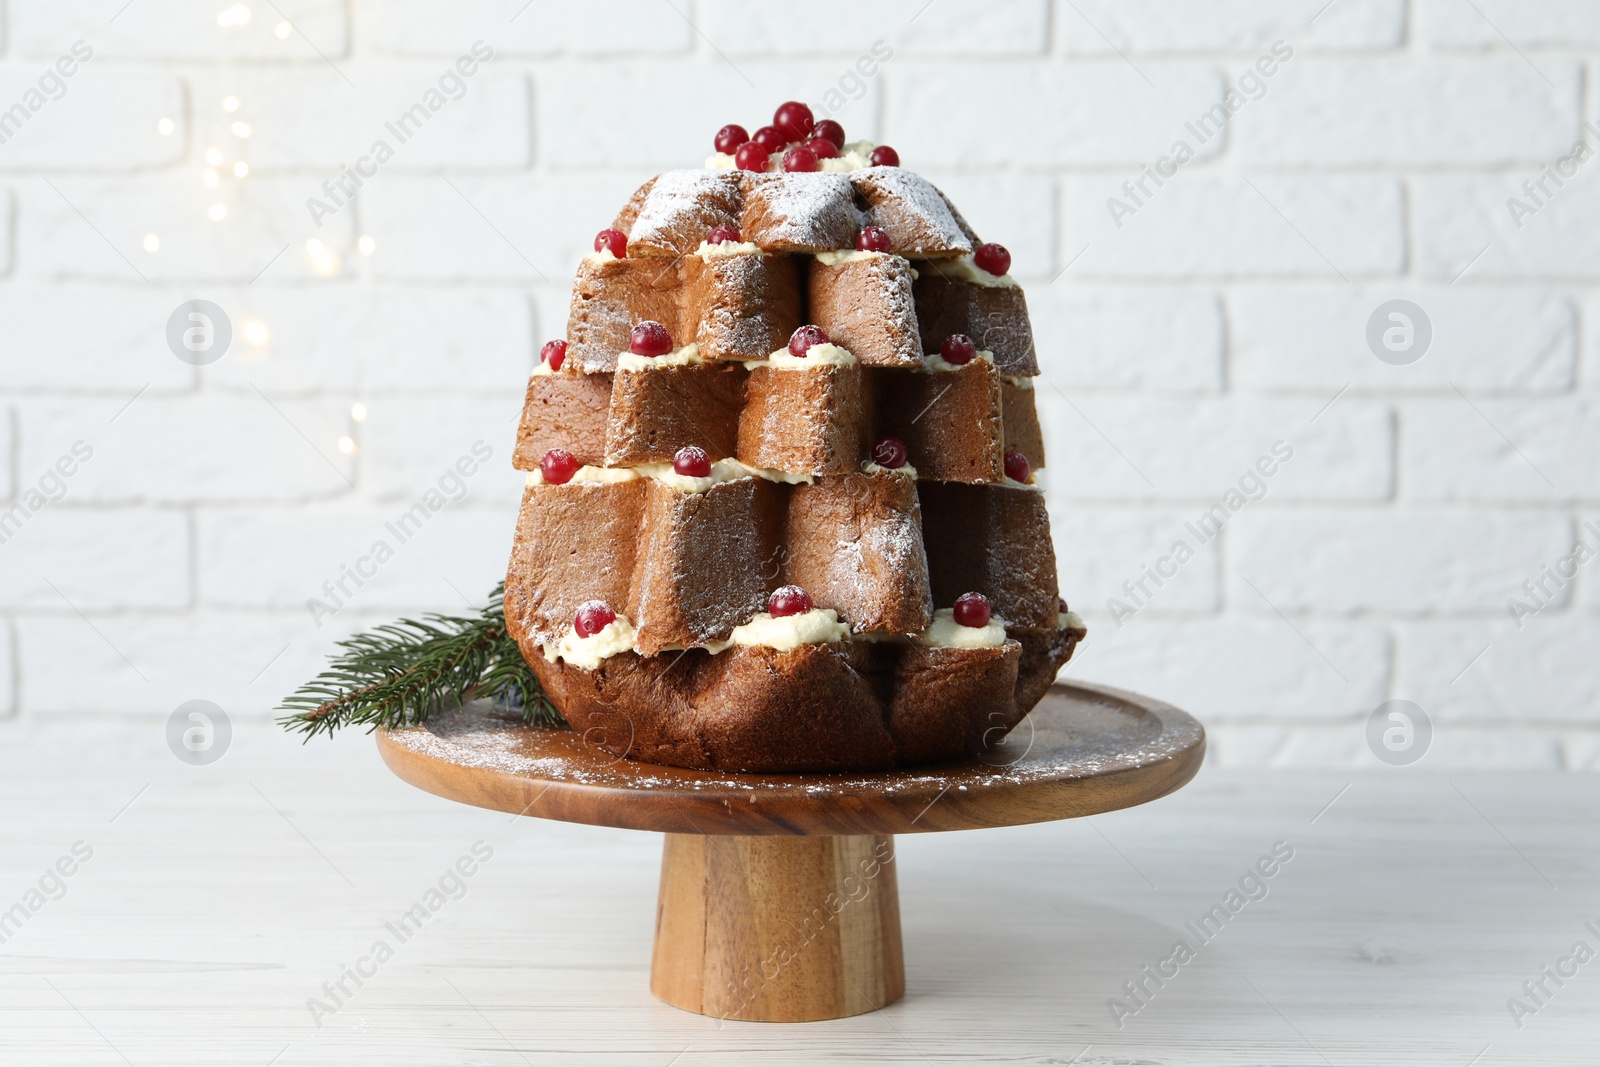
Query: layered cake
{"x":782,"y":508}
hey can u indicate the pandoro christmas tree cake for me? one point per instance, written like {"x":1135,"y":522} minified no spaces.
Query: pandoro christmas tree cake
{"x":782,"y":508}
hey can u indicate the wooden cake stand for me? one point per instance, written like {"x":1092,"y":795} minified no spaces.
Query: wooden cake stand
{"x":778,"y":897}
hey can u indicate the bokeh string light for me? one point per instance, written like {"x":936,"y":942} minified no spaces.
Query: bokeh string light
{"x":324,"y":260}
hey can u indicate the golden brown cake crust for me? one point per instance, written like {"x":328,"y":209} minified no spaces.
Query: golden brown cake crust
{"x":685,"y":564}
{"x":840,"y":706}
{"x":563,"y":410}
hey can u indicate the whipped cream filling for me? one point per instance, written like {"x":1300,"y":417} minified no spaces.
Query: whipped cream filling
{"x":727,"y":248}
{"x":723,"y":470}
{"x":937,"y":362}
{"x":906,"y":469}
{"x":790,"y":632}
{"x":1017,"y":381}
{"x":604,"y":255}
{"x":854,"y":156}
{"x":848,"y":255}
{"x":1032,"y":482}
{"x":817,"y":355}
{"x":1069,"y":620}
{"x":966,"y":270}
{"x":589,"y":652}
{"x":945,"y":632}
{"x":678,"y":357}
{"x":541,"y":370}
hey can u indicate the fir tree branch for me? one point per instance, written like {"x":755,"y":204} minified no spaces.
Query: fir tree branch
{"x":403,"y":673}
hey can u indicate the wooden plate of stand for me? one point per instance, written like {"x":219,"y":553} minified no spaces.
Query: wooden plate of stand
{"x":778,"y":895}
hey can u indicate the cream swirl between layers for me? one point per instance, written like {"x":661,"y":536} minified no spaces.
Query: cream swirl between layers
{"x":723,"y":470}
{"x":854,"y":156}
{"x":1031,"y":484}
{"x":687,"y":356}
{"x":967,"y":270}
{"x":814,"y":627}
{"x":589,"y":652}
{"x":945,"y":632}
{"x":825,"y":354}
{"x":708,"y":250}
{"x":848,"y":255}
{"x":906,"y":469}
{"x":937,"y":362}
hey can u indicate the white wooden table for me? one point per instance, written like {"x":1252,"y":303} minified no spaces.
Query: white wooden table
{"x":219,"y":899}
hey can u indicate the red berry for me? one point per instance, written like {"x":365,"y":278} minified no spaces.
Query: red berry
{"x":993,"y":258}
{"x":1061,"y":605}
{"x":692,"y":462}
{"x":730,"y":137}
{"x":554,"y":353}
{"x":800,"y":160}
{"x":1017,"y":466}
{"x":614,"y":240}
{"x":828,"y":130}
{"x":592,"y":617}
{"x":558,"y":466}
{"x":890,"y":452}
{"x":769,"y":138}
{"x":972,"y":609}
{"x":649,"y":339}
{"x":958,"y":349}
{"x":801,"y":340}
{"x":751,"y":156}
{"x":872,"y":239}
{"x":884,"y":156}
{"x":790,"y":600}
{"x":822,"y":148}
{"x":793,"y":120}
{"x":721,"y":234}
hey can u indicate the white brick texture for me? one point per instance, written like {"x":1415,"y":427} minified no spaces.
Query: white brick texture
{"x":59,"y":559}
{"x":1203,"y":224}
{"x":1151,"y":340}
{"x":1467,"y":671}
{"x":177,"y":30}
{"x":367,"y":559}
{"x":1082,"y":129}
{"x":1401,"y":563}
{"x":949,"y":28}
{"x":1420,"y":112}
{"x":518,"y":28}
{"x":1112,"y":448}
{"x":1105,"y":26}
{"x":92,"y":119}
{"x":1491,"y":23}
{"x":430,"y":115}
{"x":1211,"y":206}
{"x":1490,"y":340}
{"x":1244,"y":668}
{"x":8,"y":644}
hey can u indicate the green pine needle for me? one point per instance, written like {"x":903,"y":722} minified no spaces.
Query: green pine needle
{"x":405,"y":672}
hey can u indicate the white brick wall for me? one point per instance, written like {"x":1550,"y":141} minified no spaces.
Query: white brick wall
{"x":1228,"y":311}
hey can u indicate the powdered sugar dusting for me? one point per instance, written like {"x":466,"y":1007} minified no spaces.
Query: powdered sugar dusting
{"x":1073,"y":735}
{"x":682,"y":207}
{"x":916,"y":216}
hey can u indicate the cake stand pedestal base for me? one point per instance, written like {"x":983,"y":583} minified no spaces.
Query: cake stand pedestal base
{"x":778,"y":929}
{"x":779,"y":900}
